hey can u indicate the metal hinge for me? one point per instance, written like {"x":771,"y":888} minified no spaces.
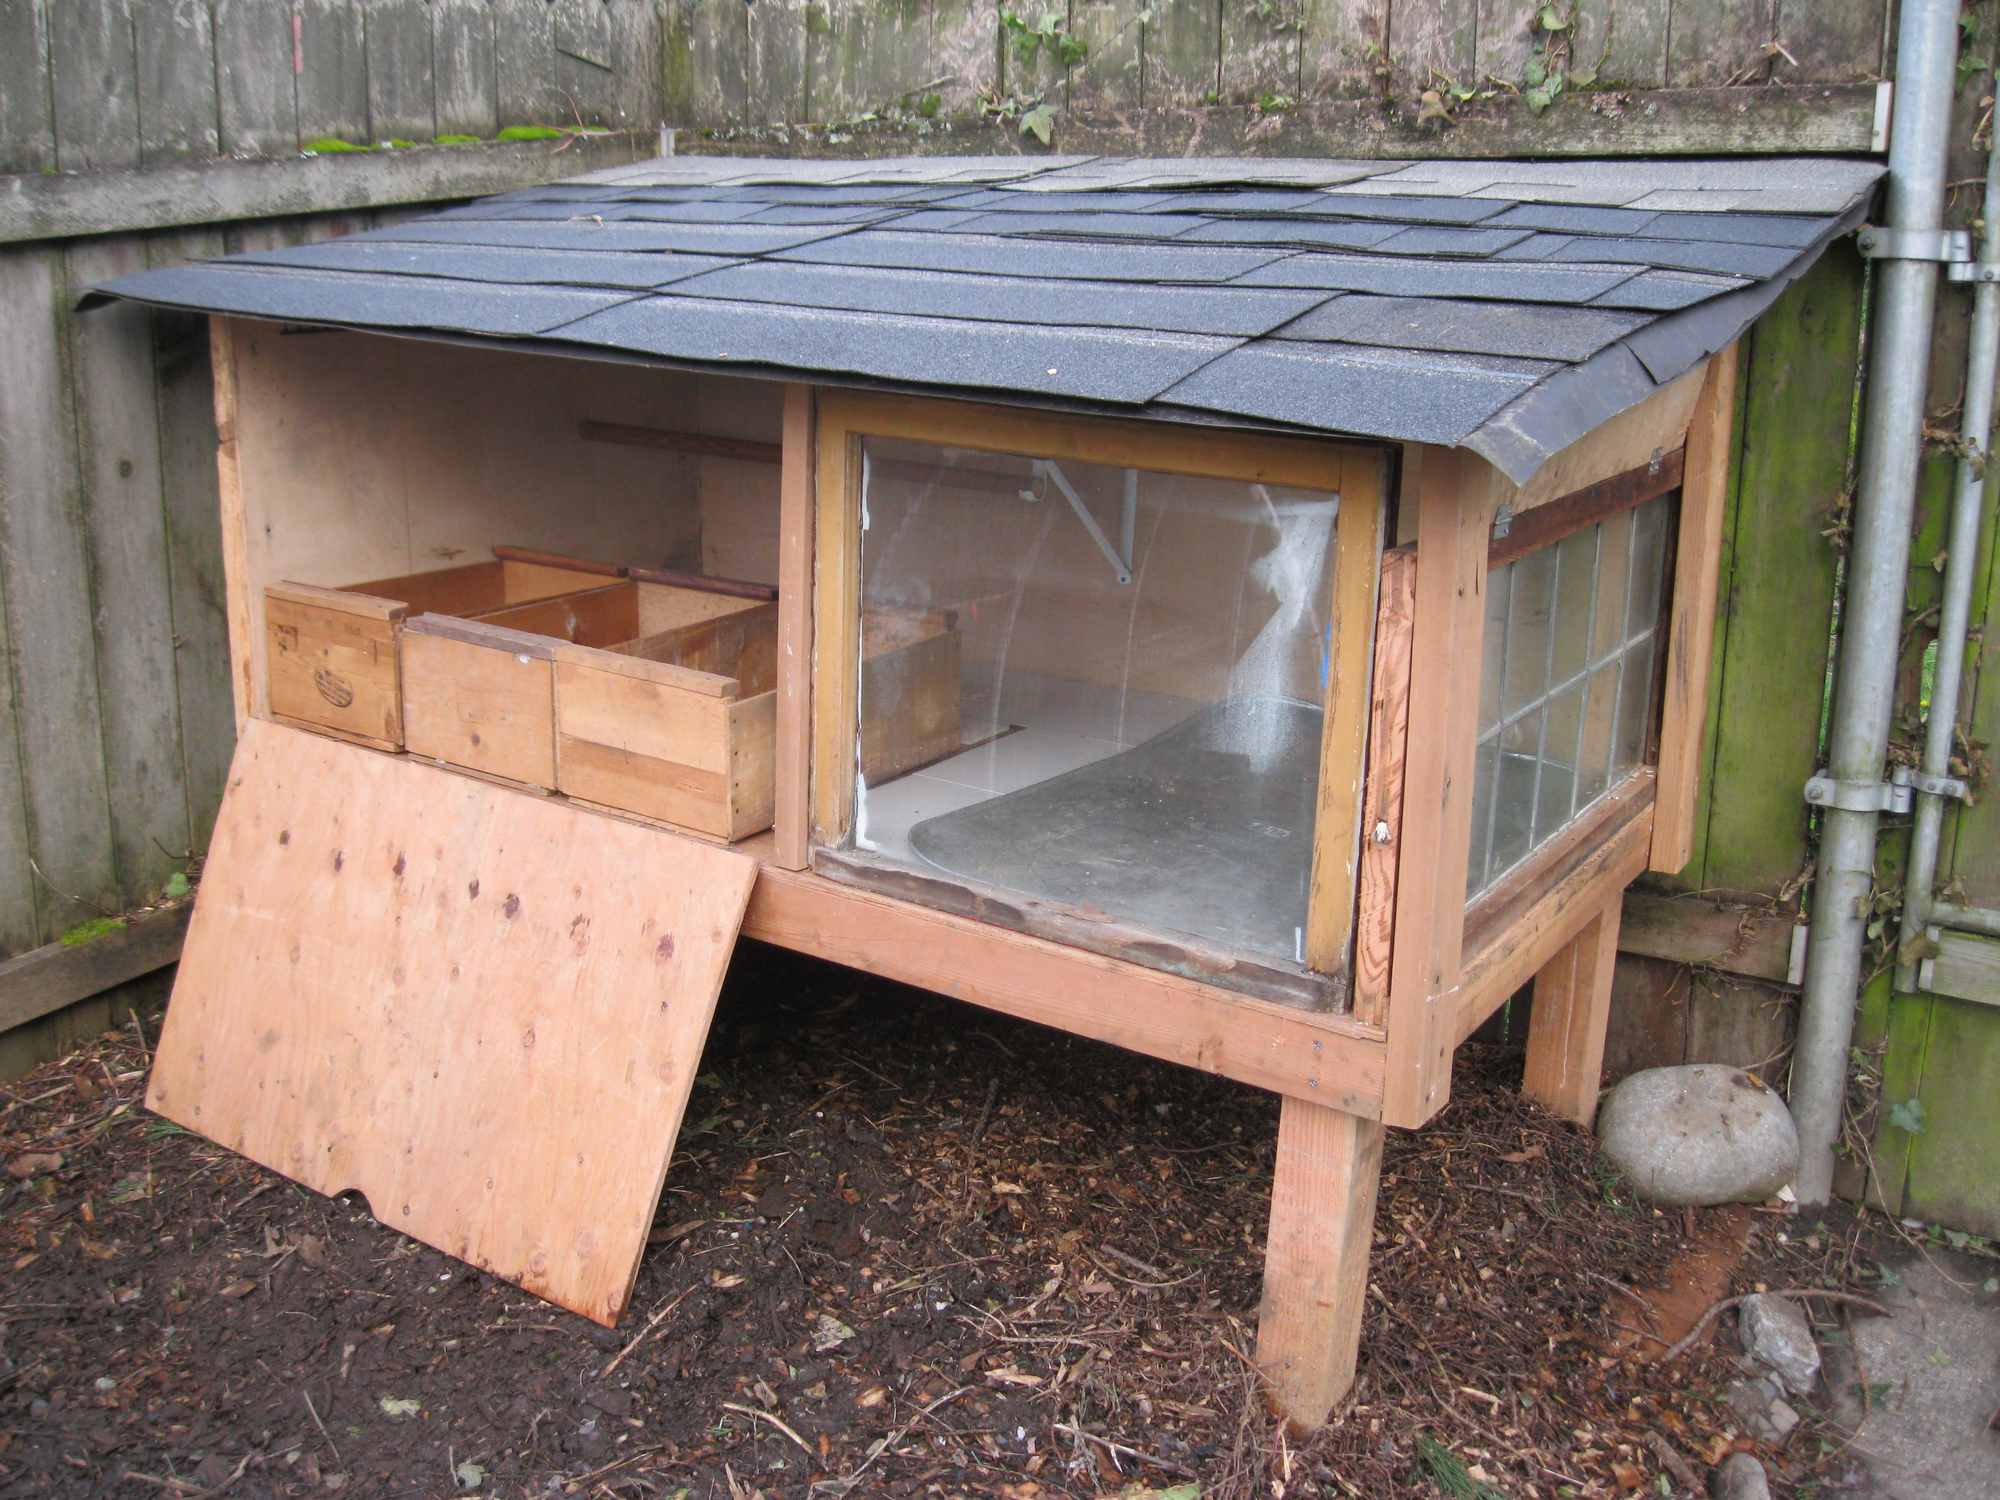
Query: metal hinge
{"x":1946,"y":246}
{"x":1891,"y":796}
{"x":1503,"y":522}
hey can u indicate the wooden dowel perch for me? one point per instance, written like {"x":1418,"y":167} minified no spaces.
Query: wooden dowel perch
{"x":745,"y":450}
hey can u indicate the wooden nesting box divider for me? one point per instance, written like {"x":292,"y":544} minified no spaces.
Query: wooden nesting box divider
{"x":666,"y":742}
{"x":334,"y":661}
{"x":480,"y":696}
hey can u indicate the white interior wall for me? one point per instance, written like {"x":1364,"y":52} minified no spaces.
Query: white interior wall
{"x":739,"y":500}
{"x":364,"y":456}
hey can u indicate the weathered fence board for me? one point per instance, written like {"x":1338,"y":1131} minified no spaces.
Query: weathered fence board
{"x":402,"y":97}
{"x":92,"y":55}
{"x":27,"y":116}
{"x":1830,"y":40}
{"x":178,"y":109}
{"x":1799,"y":384}
{"x":118,"y":439}
{"x":185,"y":399}
{"x":44,"y":560}
{"x":1719,"y":42}
{"x":257,"y":96}
{"x":332,"y":82}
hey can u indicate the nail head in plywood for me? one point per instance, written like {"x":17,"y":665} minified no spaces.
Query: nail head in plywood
{"x":482,"y":1010}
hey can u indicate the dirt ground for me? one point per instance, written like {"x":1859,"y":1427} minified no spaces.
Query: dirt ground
{"x":907,"y":1248}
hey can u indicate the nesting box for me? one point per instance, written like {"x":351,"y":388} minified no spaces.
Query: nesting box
{"x":1256,"y":613}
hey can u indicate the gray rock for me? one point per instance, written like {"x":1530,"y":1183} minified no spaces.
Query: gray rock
{"x":1741,"y":1477}
{"x":1763,"y":1412}
{"x":1776,"y":1334}
{"x":1699,"y":1134}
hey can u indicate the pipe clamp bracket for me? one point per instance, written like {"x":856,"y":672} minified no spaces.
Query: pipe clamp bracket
{"x":1949,"y":247}
{"x":1861,"y":796}
{"x":1939,"y":786}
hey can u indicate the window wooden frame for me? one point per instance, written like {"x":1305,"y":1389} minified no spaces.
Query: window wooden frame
{"x":1357,"y":473}
{"x":1453,"y":965}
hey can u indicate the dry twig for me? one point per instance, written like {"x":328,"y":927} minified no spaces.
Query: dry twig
{"x":1797,"y":1293}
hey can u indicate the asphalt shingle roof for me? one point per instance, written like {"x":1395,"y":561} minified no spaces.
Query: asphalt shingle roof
{"x":1508,"y":307}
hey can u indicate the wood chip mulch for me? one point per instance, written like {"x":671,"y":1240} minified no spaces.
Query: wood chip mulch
{"x":907,"y":1248}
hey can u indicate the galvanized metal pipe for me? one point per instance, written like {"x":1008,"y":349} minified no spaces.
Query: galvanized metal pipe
{"x":1877,"y":575}
{"x":1955,"y":613}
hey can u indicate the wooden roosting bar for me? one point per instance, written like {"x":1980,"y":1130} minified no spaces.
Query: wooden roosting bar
{"x":1046,"y":663}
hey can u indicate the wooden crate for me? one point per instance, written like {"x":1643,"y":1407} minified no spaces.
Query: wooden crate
{"x":739,"y":641}
{"x":480,"y":696}
{"x":334,"y":661}
{"x":910,"y":714}
{"x":665,"y":742}
{"x":334,"y":655}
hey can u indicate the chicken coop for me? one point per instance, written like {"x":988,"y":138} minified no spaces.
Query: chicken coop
{"x":1256,"y":613}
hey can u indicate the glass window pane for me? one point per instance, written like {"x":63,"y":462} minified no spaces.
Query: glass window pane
{"x":1499,"y":585}
{"x":1552,"y":802}
{"x":1635,"y":710}
{"x":1649,"y":553}
{"x":1529,"y":610}
{"x":1514,"y":792}
{"x":1145,"y":748}
{"x":1482,"y":815}
{"x":1600,"y":716}
{"x":1576,"y":575}
{"x":1614,"y":555}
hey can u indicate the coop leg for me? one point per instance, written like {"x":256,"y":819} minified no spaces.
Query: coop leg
{"x":1316,"y":1259}
{"x":1567,"y":1021}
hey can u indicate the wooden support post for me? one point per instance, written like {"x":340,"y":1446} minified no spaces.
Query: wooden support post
{"x":1316,"y":1257}
{"x":795,"y":629}
{"x":1566,"y":1026}
{"x":1455,"y":494}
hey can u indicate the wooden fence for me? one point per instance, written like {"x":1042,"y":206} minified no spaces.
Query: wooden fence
{"x":123,"y":123}
{"x":732,"y":65}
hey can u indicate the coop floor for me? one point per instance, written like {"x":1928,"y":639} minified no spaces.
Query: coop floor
{"x":1161,"y":812}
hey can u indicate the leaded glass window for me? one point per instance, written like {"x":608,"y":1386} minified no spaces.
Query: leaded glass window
{"x":1568,"y":682}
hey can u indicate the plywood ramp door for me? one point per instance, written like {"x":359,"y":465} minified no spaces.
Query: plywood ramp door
{"x":482,"y":1009}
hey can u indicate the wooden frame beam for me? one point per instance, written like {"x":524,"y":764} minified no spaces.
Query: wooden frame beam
{"x":1455,"y":494}
{"x":1322,"y":1059}
{"x":1691,"y":628}
{"x":796,"y":521}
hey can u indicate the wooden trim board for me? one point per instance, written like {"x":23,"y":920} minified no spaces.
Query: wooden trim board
{"x":793,"y":770}
{"x":1382,"y":807}
{"x":431,"y":989}
{"x":1336,"y":853}
{"x":1691,"y":627}
{"x":1321,"y":1058}
{"x":1455,"y":495}
{"x":44,"y":980}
